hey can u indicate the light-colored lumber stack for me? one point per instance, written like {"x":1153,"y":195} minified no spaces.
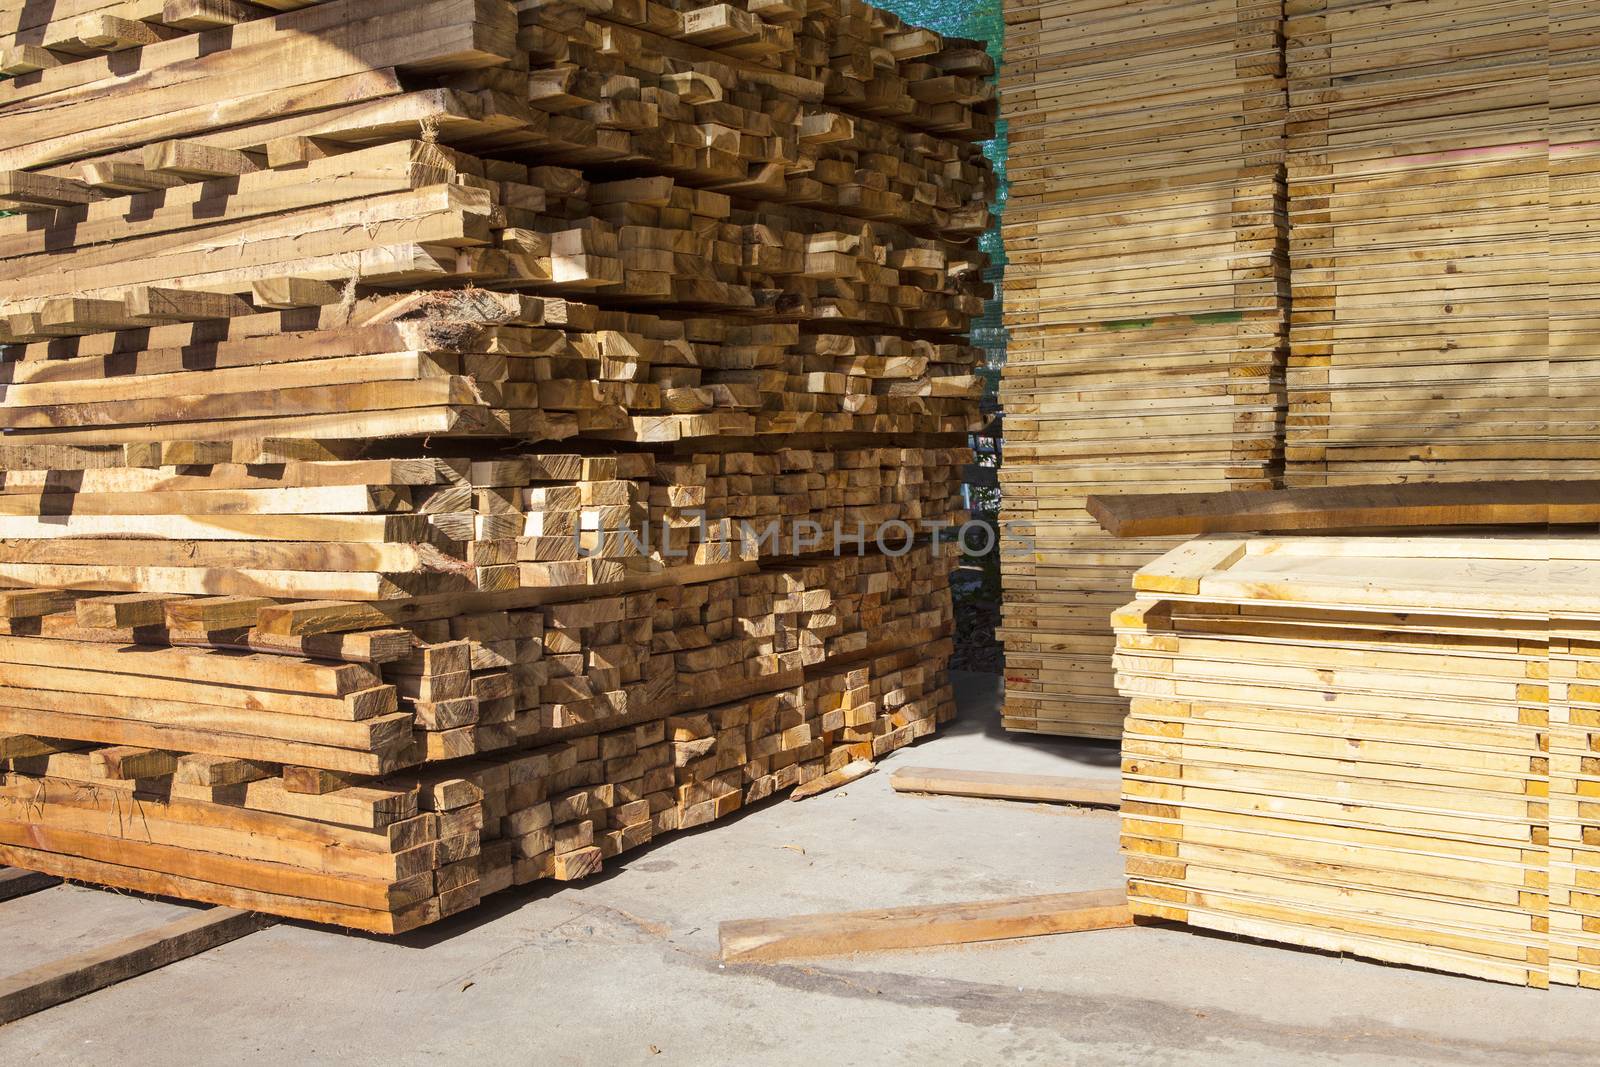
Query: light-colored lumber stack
{"x":43,"y":36}
{"x":1145,"y":298}
{"x":1438,"y":228}
{"x":1380,"y":746}
{"x":1574,"y":227}
{"x":1574,"y":350}
{"x":1574,"y":806}
{"x":448,"y":443}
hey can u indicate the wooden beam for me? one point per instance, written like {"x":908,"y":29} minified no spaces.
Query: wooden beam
{"x":28,"y":190}
{"x":33,"y":603}
{"x":850,"y":772}
{"x":27,"y":58}
{"x":287,"y":293}
{"x":1004,"y":785}
{"x":100,"y":32}
{"x":115,"y":178}
{"x":209,"y":14}
{"x":1349,"y":507}
{"x":921,"y":925}
{"x":49,"y":984}
{"x":183,"y":305}
{"x":294,"y":149}
{"x":190,"y":159}
{"x":313,"y":781}
{"x":18,"y":883}
{"x":125,"y":609}
{"x":79,"y":315}
{"x":214,"y":613}
{"x":128,"y":763}
{"x":25,"y":746}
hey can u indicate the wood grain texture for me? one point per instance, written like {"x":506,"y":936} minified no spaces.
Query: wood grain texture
{"x":1146,"y":300}
{"x":850,"y":772}
{"x":47,"y":985}
{"x":1371,"y":745}
{"x":840,"y":933}
{"x":303,"y":300}
{"x":1351,"y":507}
{"x":1007,"y":785}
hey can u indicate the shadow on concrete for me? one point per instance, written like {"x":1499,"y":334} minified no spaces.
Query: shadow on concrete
{"x":978,"y":700}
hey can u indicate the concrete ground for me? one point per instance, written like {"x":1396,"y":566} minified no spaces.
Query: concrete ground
{"x":623,"y":969}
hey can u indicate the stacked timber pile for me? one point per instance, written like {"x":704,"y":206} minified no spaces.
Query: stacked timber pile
{"x":427,"y":424}
{"x":1574,"y":328}
{"x":1381,"y":746}
{"x":1436,"y":195}
{"x":1574,"y":230}
{"x":1574,"y":805}
{"x":1146,"y":301}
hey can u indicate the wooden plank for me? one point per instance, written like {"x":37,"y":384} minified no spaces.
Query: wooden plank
{"x":850,"y":772}
{"x":32,"y":191}
{"x":24,"y":746}
{"x":293,"y":293}
{"x":49,"y":984}
{"x":26,"y":59}
{"x":128,"y":609}
{"x":1007,"y":785}
{"x":923,"y":925}
{"x":1351,"y":507}
{"x":186,"y":159}
{"x":88,"y":870}
{"x":131,"y":763}
{"x":183,"y":305}
{"x":250,"y":77}
{"x":115,"y":731}
{"x":209,"y":14}
{"x":15,"y":883}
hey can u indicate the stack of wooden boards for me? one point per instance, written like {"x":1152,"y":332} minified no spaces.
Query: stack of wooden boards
{"x":1145,"y":297}
{"x":1441,"y":196}
{"x":1574,"y":236}
{"x":1375,"y":745}
{"x":446,"y":443}
{"x":1426,"y":190}
{"x":1574,"y":805}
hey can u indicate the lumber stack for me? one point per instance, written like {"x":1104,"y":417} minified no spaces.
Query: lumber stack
{"x":1574,"y":179}
{"x":1574,"y":318}
{"x":1380,"y":746}
{"x":43,"y":36}
{"x":1438,"y":209}
{"x":1574,"y":807}
{"x":1146,"y":299}
{"x":448,"y":443}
